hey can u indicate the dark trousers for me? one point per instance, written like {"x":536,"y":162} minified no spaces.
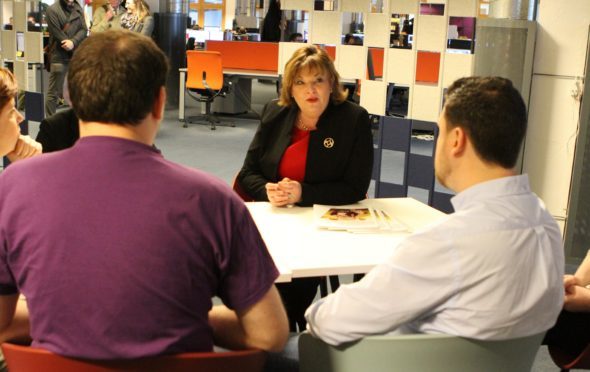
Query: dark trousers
{"x":297,"y":295}
{"x":571,"y":332}
{"x":56,"y":83}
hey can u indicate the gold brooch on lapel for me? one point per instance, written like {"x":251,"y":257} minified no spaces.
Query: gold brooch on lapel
{"x":329,"y":143}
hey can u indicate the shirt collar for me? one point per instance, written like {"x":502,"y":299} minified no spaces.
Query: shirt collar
{"x":500,"y":187}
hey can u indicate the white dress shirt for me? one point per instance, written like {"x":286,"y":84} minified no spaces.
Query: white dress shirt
{"x":491,"y":270}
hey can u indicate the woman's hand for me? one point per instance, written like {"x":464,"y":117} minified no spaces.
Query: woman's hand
{"x":26,"y":147}
{"x":570,"y":280}
{"x":276,"y":196}
{"x":577,"y":299}
{"x":286,"y":192}
{"x":292,"y":188}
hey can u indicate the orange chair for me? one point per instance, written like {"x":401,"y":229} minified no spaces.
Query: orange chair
{"x":28,"y":359}
{"x":566,"y":360}
{"x":235,"y":185}
{"x":204,"y":83}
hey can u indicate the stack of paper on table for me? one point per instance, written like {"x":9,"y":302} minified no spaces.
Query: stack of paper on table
{"x":355,"y":218}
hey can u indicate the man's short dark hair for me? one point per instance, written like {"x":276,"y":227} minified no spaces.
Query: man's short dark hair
{"x":492,"y":113}
{"x":115,"y":77}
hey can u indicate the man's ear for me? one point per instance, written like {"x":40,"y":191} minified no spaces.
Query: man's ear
{"x":459,"y":141}
{"x":159,"y":104}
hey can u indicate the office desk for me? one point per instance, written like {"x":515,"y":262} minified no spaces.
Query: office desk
{"x":233,"y":75}
{"x":300,"y":249}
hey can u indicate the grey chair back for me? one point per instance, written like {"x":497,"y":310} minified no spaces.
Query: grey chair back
{"x":423,"y":352}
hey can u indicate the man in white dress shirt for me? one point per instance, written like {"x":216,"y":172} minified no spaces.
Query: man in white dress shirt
{"x":493,"y":269}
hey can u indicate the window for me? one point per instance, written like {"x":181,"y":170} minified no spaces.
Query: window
{"x":207,"y":13}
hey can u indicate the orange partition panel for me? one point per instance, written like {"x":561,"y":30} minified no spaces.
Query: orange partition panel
{"x":377,"y":57}
{"x":331,"y":50}
{"x":427,"y":67}
{"x":247,"y":55}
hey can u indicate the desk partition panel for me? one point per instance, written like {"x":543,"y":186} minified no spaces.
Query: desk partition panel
{"x":246,"y":55}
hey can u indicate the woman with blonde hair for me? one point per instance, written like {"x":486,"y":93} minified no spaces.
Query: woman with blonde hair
{"x":311,"y":147}
{"x":13,"y":144}
{"x":138,"y":18}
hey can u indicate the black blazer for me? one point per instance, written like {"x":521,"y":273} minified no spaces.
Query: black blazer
{"x":59,"y":131}
{"x":333,"y":175}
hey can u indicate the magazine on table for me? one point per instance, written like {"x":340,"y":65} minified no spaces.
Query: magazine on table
{"x":355,"y":218}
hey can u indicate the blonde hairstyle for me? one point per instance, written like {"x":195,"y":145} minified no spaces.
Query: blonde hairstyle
{"x":8,"y":87}
{"x":313,"y":58}
{"x":142,"y":9}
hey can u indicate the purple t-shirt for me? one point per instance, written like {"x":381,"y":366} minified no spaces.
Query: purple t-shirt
{"x":119,"y":251}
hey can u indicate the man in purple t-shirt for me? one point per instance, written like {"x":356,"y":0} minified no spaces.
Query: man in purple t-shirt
{"x":119,"y":251}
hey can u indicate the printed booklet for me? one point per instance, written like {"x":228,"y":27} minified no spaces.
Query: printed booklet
{"x":354,"y":218}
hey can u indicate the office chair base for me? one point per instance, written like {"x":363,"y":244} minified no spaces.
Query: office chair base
{"x":211,"y":120}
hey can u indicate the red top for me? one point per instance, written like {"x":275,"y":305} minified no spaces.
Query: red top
{"x":292,"y":164}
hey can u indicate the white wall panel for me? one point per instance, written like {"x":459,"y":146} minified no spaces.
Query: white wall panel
{"x":562,"y":37}
{"x":426,"y":102}
{"x":352,"y":61}
{"x":432,"y":33}
{"x":286,"y":50}
{"x":355,"y":6}
{"x":377,"y":27}
{"x":403,"y":6}
{"x":550,"y":141}
{"x":326,"y":27}
{"x":34,"y":47}
{"x":373,"y":95}
{"x":463,"y":8}
{"x":401,"y":66}
{"x":19,"y":21}
{"x":20,"y":73}
{"x":456,"y":66}
{"x":297,"y":5}
{"x":8,"y":44}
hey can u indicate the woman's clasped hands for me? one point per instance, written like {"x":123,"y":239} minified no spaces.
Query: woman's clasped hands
{"x":283,"y":193}
{"x":577,"y":296}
